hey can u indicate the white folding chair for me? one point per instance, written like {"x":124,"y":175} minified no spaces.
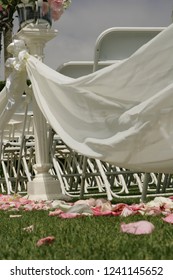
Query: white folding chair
{"x":118,"y":43}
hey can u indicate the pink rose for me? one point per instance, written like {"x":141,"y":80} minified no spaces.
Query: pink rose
{"x":45,"y":8}
{"x":56,"y":2}
{"x":57,"y":8}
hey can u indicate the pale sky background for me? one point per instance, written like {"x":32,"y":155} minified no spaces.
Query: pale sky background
{"x":82,"y":23}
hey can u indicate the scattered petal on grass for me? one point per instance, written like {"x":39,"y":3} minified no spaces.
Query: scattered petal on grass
{"x":118,"y":208}
{"x":69,"y":215}
{"x":99,"y":202}
{"x":45,"y":241}
{"x":91,"y":206}
{"x":169,"y":219}
{"x":64,"y":206}
{"x":90,"y":202}
{"x":55,"y":204}
{"x":141,"y":227}
{"x":79,"y":208}
{"x":57,"y":212}
{"x":29,"y":229}
{"x":127,"y":212}
{"x":106,"y":206}
{"x":98,"y":212}
{"x":15,"y":216}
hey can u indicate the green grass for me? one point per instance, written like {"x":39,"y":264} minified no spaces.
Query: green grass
{"x":84,"y":238}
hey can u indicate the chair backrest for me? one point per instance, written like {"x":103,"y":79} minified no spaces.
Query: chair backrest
{"x":75,"y":69}
{"x":113,"y":44}
{"x":14,"y":128}
{"x":118,"y":43}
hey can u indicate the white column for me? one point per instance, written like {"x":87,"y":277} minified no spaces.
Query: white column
{"x":44,"y":186}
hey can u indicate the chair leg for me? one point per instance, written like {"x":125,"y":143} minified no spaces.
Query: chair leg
{"x":106,"y":182}
{"x":83,"y":177}
{"x":145,"y":187}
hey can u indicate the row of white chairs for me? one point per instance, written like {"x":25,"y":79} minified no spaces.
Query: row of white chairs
{"x":17,"y":149}
{"x":80,"y":176}
{"x":113,"y":45}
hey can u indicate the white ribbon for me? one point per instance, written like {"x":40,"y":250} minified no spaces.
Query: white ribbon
{"x":20,"y":54}
{"x":15,"y":83}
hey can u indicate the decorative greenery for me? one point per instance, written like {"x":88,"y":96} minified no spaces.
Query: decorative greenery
{"x":7,"y":9}
{"x":6,"y":3}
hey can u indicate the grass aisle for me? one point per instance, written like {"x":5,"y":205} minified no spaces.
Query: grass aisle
{"x":83,"y":238}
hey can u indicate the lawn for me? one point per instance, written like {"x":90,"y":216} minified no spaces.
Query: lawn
{"x":82,"y":238}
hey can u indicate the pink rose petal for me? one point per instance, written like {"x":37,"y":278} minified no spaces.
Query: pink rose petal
{"x":141,"y":227}
{"x":100,"y":201}
{"x":127,"y":212}
{"x":169,"y":219}
{"x":55,"y":213}
{"x":97,"y":212}
{"x":106,"y":206}
{"x":136,"y":207}
{"x":45,"y":241}
{"x":69,"y":215}
{"x":118,"y":208}
{"x":89,"y":202}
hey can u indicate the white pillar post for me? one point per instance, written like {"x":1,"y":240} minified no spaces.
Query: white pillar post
{"x":44,"y":186}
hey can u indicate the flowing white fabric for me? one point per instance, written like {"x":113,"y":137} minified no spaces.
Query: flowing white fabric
{"x":121,"y":114}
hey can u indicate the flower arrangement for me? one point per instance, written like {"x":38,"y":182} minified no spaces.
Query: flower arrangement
{"x":56,"y":7}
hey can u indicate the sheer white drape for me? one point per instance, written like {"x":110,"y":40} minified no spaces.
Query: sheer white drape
{"x":121,"y":114}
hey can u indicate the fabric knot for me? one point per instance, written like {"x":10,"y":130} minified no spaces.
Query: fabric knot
{"x":20,"y":55}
